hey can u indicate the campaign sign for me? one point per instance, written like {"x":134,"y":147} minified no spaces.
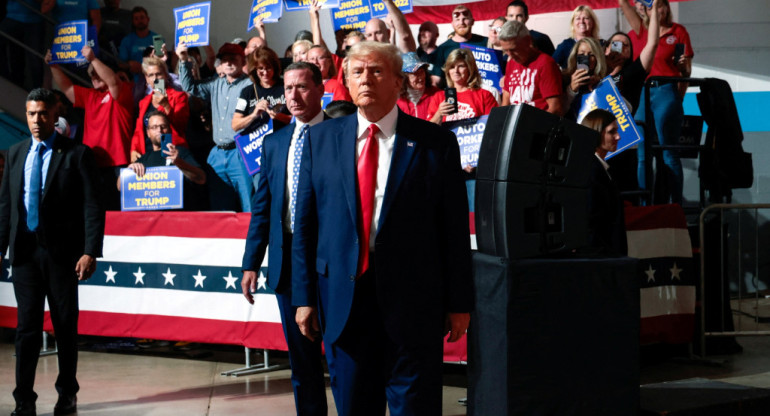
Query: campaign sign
{"x":297,"y":5}
{"x":69,"y":39}
{"x":160,"y":188}
{"x":269,"y":11}
{"x":489,"y":63}
{"x":607,"y":97}
{"x":192,"y":24}
{"x":351,"y":14}
{"x":250,"y":146}
{"x":469,"y":133}
{"x":379,"y":9}
{"x":326,"y":99}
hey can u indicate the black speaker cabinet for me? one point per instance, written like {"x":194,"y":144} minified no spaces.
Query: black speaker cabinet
{"x":532,"y":183}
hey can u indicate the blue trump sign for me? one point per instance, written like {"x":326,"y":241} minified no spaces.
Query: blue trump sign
{"x":296,"y":5}
{"x":379,"y":9}
{"x":69,"y":39}
{"x":159,"y":188}
{"x":270,"y":11}
{"x":326,"y":99}
{"x":489,"y":63}
{"x":351,"y":14}
{"x":250,"y":146}
{"x":469,"y":133}
{"x":192,"y":24}
{"x":607,"y":97}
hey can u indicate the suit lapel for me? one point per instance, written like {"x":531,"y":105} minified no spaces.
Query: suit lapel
{"x":403,"y":151}
{"x":17,"y":171}
{"x":346,"y":151}
{"x":281,"y":159}
{"x":57,"y":154}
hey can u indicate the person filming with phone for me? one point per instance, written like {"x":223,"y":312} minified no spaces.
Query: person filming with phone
{"x":165,"y":153}
{"x":463,"y":98}
{"x":585,"y":69}
{"x":162,"y":98}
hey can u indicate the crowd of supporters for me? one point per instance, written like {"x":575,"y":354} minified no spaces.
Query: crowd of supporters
{"x":208,"y":96}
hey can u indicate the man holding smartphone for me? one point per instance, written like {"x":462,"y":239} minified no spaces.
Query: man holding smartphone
{"x":133,"y":45}
{"x":169,"y":101}
{"x":165,"y":153}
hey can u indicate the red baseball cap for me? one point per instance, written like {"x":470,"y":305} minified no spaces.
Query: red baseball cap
{"x":230,"y":49}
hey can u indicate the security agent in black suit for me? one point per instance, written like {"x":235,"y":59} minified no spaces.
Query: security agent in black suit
{"x":53,"y":225}
{"x":606,"y":221}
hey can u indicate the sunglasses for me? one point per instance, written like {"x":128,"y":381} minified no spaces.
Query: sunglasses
{"x":464,"y":13}
{"x":496,"y":29}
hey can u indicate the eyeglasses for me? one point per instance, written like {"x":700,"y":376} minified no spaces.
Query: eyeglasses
{"x":157,"y":127}
{"x":496,"y":29}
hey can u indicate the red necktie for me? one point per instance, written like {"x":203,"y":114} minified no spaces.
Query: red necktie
{"x":367,"y":182}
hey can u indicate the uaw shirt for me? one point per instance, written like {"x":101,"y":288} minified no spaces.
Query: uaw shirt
{"x":532,"y":83}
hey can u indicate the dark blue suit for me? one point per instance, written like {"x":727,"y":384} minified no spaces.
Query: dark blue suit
{"x":385,"y":328}
{"x":267,"y":226}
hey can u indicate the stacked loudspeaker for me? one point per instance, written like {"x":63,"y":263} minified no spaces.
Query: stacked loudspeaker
{"x":551,"y":333}
{"x":532,"y":183}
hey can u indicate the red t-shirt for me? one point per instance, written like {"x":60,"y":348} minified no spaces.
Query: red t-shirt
{"x":533,"y":83}
{"x":332,"y":86}
{"x":340,"y":77}
{"x":108,"y":123}
{"x":637,"y":42}
{"x":470,"y":103}
{"x":663,"y":65}
{"x":422,"y":108}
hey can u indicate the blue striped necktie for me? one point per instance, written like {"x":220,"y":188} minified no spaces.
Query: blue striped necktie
{"x":35,"y":188}
{"x":295,"y":172}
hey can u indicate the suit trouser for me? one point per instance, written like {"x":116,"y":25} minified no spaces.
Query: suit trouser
{"x":371,"y":369}
{"x":307,"y":374}
{"x":37,"y":277}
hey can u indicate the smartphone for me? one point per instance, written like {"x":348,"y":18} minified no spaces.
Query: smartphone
{"x":678,"y":51}
{"x":451,"y":98}
{"x":583,"y":62}
{"x":157,"y":44}
{"x":616,"y":46}
{"x":160,"y":86}
{"x":165,"y":140}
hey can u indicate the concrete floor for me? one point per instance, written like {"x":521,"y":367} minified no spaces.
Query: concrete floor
{"x":158,"y":382}
{"x":161,"y":381}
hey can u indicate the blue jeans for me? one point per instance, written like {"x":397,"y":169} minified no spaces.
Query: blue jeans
{"x":230,"y":185}
{"x":668,"y":114}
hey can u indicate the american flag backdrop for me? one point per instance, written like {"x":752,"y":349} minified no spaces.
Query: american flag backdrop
{"x":658,"y":237}
{"x":176,"y":276}
{"x":440,"y":11}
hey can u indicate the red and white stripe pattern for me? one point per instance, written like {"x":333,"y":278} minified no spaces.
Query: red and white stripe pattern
{"x":658,"y":237}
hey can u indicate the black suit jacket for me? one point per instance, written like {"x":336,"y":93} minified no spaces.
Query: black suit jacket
{"x":71,"y":217}
{"x":606,"y":222}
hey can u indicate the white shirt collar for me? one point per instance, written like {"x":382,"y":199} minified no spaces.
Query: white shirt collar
{"x":313,"y":121}
{"x":387,"y":124}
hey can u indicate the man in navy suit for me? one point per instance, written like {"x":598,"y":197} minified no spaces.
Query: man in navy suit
{"x":53,"y":225}
{"x":381,"y":234}
{"x":272,"y":220}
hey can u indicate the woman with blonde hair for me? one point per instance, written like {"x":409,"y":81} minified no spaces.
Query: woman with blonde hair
{"x":586,"y":66}
{"x":299,"y":50}
{"x":463,"y":75}
{"x":583,"y":24}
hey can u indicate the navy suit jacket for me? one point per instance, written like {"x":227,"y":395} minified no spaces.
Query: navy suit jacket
{"x":422,"y":247}
{"x":71,"y":217}
{"x":267,"y":208}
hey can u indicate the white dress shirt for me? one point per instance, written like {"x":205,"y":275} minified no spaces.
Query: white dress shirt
{"x":386,"y":138}
{"x":290,"y":162}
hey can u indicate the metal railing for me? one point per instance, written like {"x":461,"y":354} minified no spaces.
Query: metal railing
{"x":738,"y":330}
